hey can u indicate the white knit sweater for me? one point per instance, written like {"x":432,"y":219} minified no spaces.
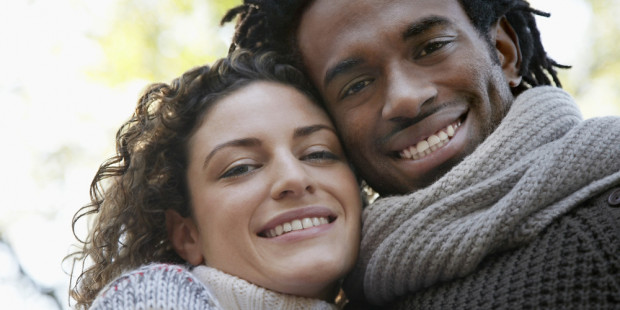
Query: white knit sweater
{"x":164,"y":286}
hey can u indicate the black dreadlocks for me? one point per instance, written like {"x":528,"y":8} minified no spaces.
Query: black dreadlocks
{"x":272,"y":25}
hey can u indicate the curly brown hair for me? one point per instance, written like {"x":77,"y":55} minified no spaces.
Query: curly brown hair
{"x":132,"y":190}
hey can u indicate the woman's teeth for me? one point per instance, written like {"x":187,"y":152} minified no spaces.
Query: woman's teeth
{"x":296,"y":225}
{"x":430,"y":144}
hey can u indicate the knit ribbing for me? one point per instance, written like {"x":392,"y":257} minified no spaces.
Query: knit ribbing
{"x":156,"y":286}
{"x":538,"y":164}
{"x":572,"y":264}
{"x":234,"y":293}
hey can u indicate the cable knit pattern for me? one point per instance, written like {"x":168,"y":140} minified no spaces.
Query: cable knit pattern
{"x":541,"y":162}
{"x":156,"y":286}
{"x":573,"y":264}
{"x":234,"y":293}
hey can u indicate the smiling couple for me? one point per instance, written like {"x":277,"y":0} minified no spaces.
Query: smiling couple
{"x":494,"y":192}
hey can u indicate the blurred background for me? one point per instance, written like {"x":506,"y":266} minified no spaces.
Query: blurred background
{"x":71,"y":72}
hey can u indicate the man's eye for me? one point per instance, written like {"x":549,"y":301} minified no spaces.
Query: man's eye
{"x":355,"y":88}
{"x":433,"y":47}
{"x":320,"y":156}
{"x":238,"y":171}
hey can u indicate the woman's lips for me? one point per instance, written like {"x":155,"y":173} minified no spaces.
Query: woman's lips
{"x":295,"y":225}
{"x":296,"y":220}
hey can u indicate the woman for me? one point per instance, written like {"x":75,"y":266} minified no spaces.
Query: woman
{"x":234,"y":178}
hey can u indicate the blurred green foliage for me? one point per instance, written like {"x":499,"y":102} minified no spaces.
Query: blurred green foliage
{"x":595,"y":76}
{"x":606,"y":35}
{"x":159,"y":40}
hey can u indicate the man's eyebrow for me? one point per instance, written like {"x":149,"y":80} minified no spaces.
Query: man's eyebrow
{"x":421,"y":26}
{"x":308,"y":130}
{"x":413,"y":29}
{"x":340,"y":68}
{"x":245,"y":142}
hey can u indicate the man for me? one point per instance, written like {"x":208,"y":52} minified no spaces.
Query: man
{"x":496,"y":193}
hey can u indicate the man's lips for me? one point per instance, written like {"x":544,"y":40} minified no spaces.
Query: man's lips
{"x":425,"y":137}
{"x":429,"y":145}
{"x":296,"y":220}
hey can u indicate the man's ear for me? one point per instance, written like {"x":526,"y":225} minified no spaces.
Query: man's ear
{"x":508,"y":51}
{"x":184,"y":236}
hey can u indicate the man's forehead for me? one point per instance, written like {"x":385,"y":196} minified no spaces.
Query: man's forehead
{"x":331,"y":31}
{"x":330,"y":21}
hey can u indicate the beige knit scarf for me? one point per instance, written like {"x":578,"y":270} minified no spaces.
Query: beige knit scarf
{"x":233,"y":293}
{"x":540,"y":162}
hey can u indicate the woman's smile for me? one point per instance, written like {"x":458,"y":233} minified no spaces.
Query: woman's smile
{"x":275,"y":191}
{"x":297,"y":220}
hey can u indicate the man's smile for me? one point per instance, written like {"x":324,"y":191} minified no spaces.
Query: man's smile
{"x":429,"y":145}
{"x":428,"y":135}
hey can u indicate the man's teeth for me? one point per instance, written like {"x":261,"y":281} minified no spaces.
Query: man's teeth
{"x":431,"y":144}
{"x":296,"y":225}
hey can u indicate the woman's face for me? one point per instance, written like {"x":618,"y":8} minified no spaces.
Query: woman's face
{"x":273,"y":198}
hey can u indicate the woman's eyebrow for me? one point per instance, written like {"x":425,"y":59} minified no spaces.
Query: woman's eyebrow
{"x":244,"y":142}
{"x":251,"y":142}
{"x":308,"y":130}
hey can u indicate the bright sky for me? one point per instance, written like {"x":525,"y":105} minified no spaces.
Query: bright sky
{"x":49,"y":105}
{"x":560,"y":33}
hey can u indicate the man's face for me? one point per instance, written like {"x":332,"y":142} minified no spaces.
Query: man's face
{"x":412,"y":86}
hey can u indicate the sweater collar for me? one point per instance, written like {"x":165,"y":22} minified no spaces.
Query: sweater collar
{"x":234,"y":293}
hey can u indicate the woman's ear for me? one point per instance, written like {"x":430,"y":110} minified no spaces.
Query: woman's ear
{"x":508,"y":51}
{"x":184,"y":236}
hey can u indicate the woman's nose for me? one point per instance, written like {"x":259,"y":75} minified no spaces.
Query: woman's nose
{"x":290,"y":178}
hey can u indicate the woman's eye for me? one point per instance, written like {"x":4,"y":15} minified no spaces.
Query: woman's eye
{"x":320,"y":156}
{"x":433,"y":47}
{"x":356,"y":87}
{"x":238,"y":171}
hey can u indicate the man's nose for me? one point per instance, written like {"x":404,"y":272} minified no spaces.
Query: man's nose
{"x":290,"y":178}
{"x":406,"y":93}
